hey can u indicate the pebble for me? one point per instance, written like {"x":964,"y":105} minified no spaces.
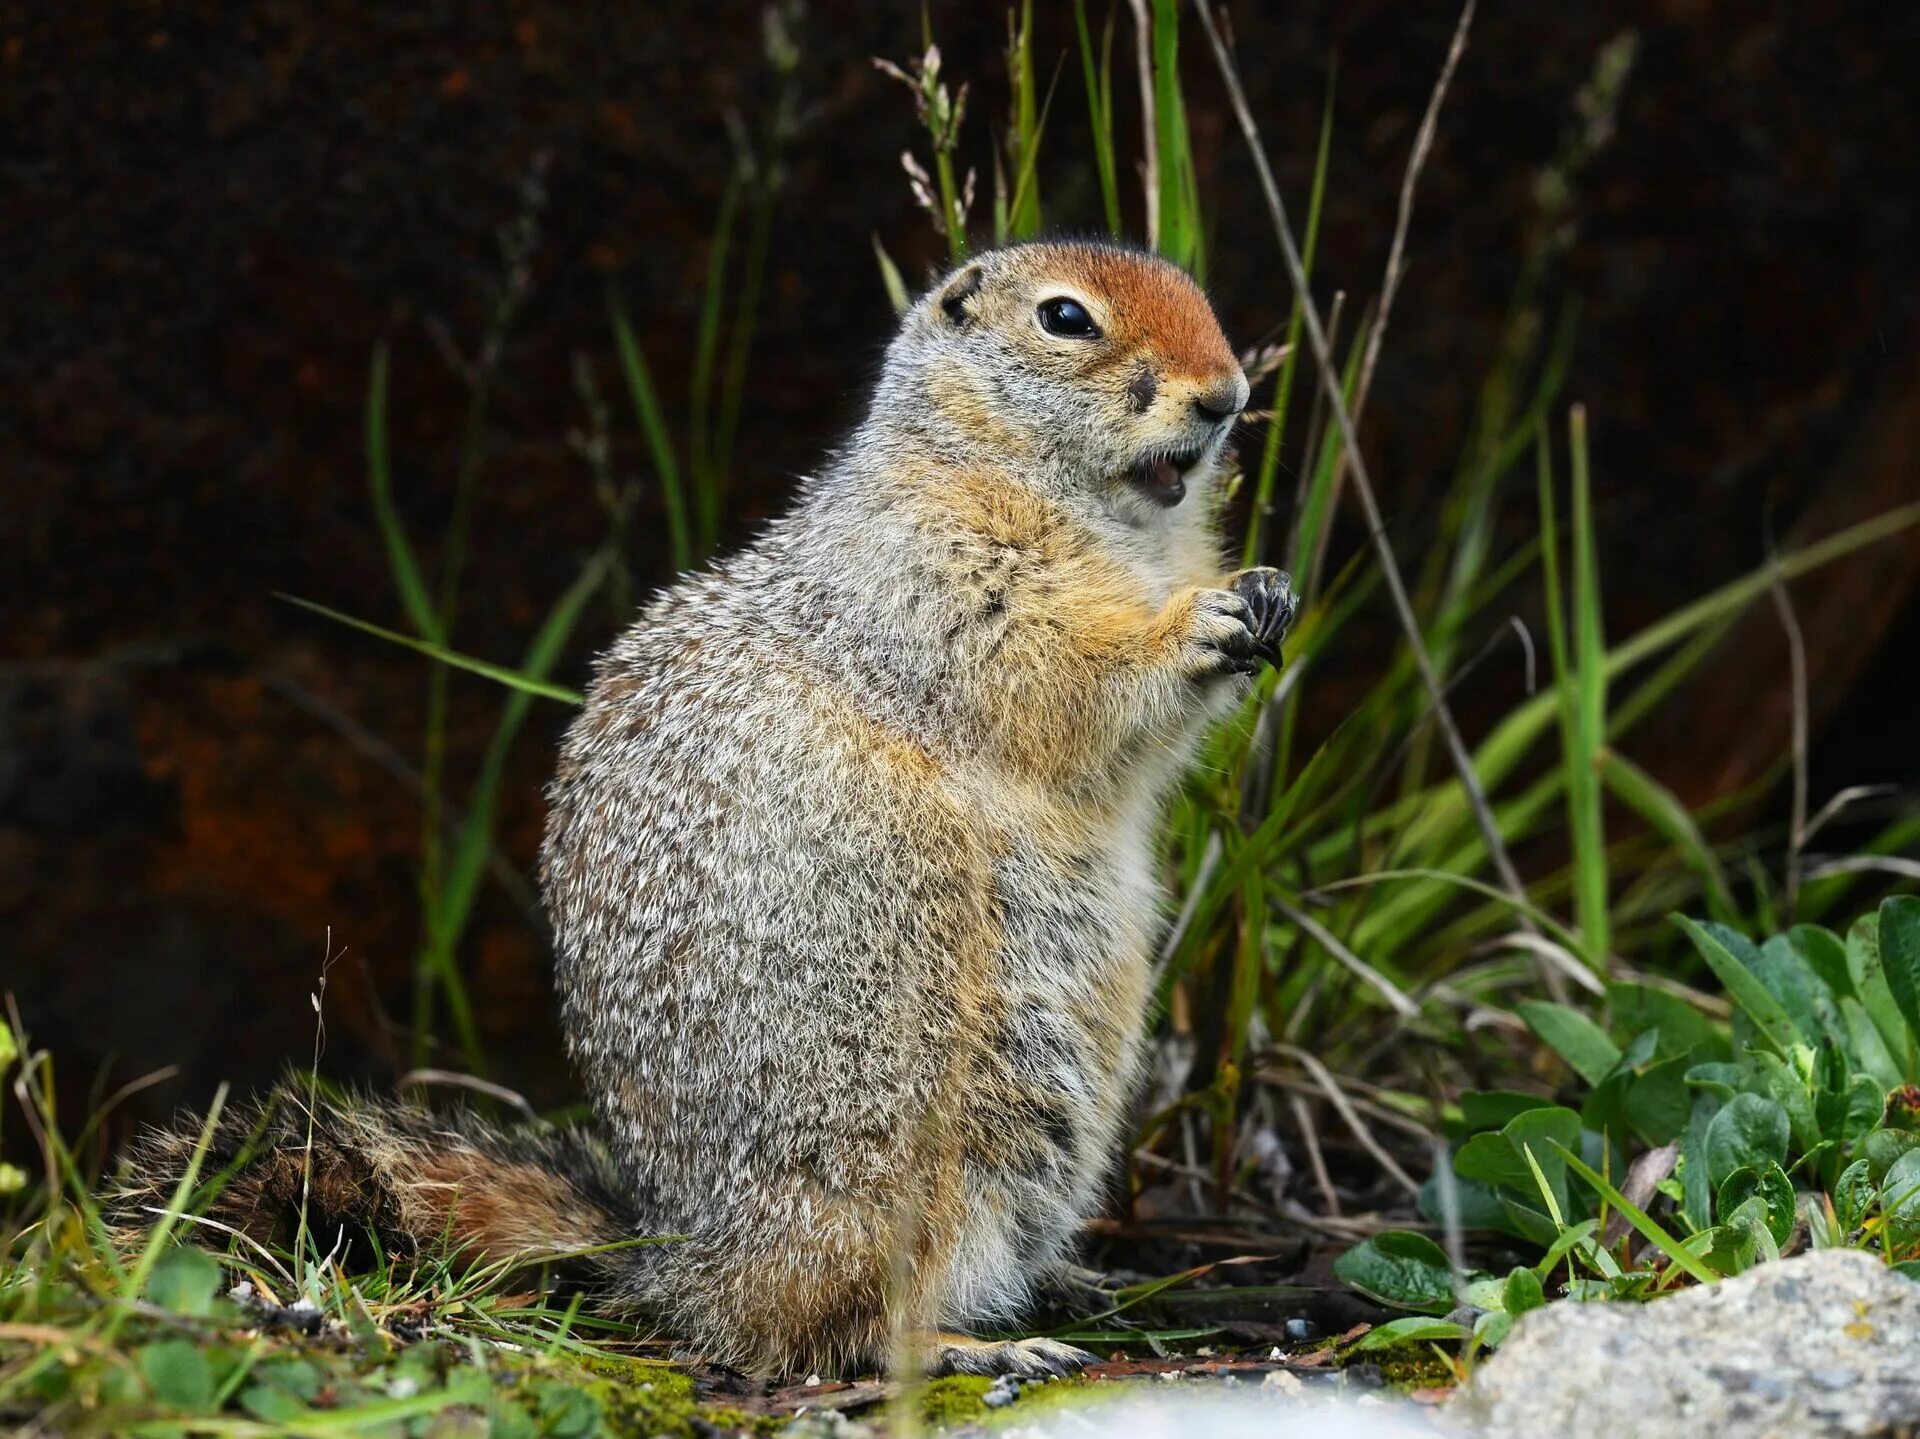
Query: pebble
{"x":1003,"y":1391}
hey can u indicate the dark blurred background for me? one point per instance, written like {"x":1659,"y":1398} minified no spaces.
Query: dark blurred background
{"x":211,"y":215}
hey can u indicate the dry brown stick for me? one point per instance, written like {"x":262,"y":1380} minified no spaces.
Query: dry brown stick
{"x":1150,"y":151}
{"x":1362,"y":482}
{"x":1344,"y":1107}
{"x":1403,"y":221}
{"x":1310,"y":1139}
{"x":1389,"y":991}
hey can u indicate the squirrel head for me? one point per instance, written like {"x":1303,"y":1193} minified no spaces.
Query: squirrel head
{"x":1091,"y":370}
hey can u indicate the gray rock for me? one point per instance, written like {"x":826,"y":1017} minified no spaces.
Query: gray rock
{"x":1822,"y":1344}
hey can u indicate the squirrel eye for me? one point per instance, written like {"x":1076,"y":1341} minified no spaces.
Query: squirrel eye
{"x":1068,"y":319}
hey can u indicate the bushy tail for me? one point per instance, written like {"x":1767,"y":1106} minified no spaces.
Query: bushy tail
{"x":419,"y":1180}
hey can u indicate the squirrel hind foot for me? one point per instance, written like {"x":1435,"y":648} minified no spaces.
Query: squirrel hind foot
{"x":1036,"y":1358}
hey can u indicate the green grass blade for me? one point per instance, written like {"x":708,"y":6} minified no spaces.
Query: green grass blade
{"x":1099,"y":83}
{"x":163,"y":1227}
{"x":1514,"y":737}
{"x":1769,"y":1016}
{"x":1179,"y":226}
{"x":653,"y":427}
{"x":733,"y":389}
{"x":1029,"y":122}
{"x":1589,"y":726}
{"x":1649,"y":1229}
{"x":1262,"y":507}
{"x":1661,"y":808}
{"x":707,"y":337}
{"x":1317,"y":507}
{"x":543,"y":653}
{"x":499,"y":674}
{"x":401,"y":561}
{"x":890,"y":280}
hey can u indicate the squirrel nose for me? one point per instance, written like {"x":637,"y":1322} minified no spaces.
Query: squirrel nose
{"x":1223,"y":401}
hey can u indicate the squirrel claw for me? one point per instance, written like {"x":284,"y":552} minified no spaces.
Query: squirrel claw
{"x":1036,"y":1358}
{"x":1268,"y":595}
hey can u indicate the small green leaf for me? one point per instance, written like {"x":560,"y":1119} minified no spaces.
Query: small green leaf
{"x":1720,"y":1080}
{"x":1752,"y":1217}
{"x":1523,"y":1292}
{"x":1696,"y":1205}
{"x":9,"y":1049}
{"x":1883,"y":1147}
{"x":1483,"y":1109}
{"x":1853,"y":1196}
{"x":1749,"y":1131}
{"x":1498,"y":1159}
{"x":1870,"y":984}
{"x":184,"y":1281}
{"x":1474,"y":1205}
{"x":1658,"y":1104}
{"x":1568,"y":1240}
{"x":1753,"y":997}
{"x":1637,"y":1008}
{"x":1493,"y":1327}
{"x":177,"y":1373}
{"x":1774,"y":1191}
{"x":1824,"y":954}
{"x":1412,"y":1330}
{"x":1790,"y":1093}
{"x":1900,"y":954}
{"x":1900,"y":1201}
{"x":1575,"y":1038}
{"x":299,"y":1377}
{"x":568,"y":1413}
{"x":1401,"y":1268}
{"x":1728,"y":1248}
{"x":271,"y":1405}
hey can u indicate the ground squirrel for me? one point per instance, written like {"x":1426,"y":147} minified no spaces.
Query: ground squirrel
{"x":851,"y":855}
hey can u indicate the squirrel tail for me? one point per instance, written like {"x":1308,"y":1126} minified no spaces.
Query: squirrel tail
{"x":416,"y":1180}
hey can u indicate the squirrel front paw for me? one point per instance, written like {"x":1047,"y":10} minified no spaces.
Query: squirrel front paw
{"x":1237,"y":628}
{"x":1269,"y":596}
{"x":1220,"y":640}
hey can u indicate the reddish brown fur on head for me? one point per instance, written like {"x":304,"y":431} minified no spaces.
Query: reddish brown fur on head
{"x":1151,"y":305}
{"x":1129,"y":405}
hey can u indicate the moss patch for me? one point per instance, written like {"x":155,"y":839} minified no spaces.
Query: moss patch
{"x":956,"y":1399}
{"x":1414,"y":1366}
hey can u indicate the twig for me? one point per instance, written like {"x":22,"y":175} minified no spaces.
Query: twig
{"x":1416,"y":162}
{"x":1797,"y":669}
{"x":1715,"y":1006}
{"x":1150,"y":151}
{"x":1853,"y":794}
{"x":1316,"y":1161}
{"x":204,"y":1222}
{"x":1195,"y":1177}
{"x":1362,"y":482}
{"x":1866,"y":864}
{"x":1395,"y":997}
{"x":1343,"y":1106}
{"x":1209,"y":862}
{"x":1558,"y":955}
{"x":423,"y":1078}
{"x":1386,"y":1114}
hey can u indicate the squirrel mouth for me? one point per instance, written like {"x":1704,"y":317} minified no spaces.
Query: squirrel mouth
{"x":1162,"y":477}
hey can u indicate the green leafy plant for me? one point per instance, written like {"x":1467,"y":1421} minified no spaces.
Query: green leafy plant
{"x":1798,"y":1114}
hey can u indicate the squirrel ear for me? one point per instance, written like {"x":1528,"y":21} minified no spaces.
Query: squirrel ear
{"x":957,"y":291}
